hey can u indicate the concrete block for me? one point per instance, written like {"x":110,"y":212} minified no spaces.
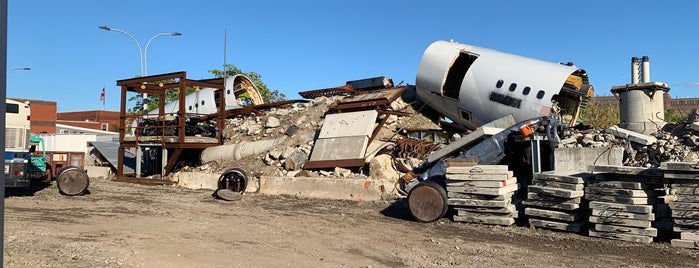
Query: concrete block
{"x":689,"y":236}
{"x":681,"y":243}
{"x":480,"y":169}
{"x":615,"y":213}
{"x":348,"y":124}
{"x":339,"y":148}
{"x":687,"y":222}
{"x":622,"y":199}
{"x":622,"y":207}
{"x":620,"y":222}
{"x":550,"y":204}
{"x":624,"y":237}
{"x":511,"y":208}
{"x":478,"y":203}
{"x":579,"y":159}
{"x":680,"y":190}
{"x":503,"y":197}
{"x":653,"y":232}
{"x":485,"y":191}
{"x":546,"y":197}
{"x":559,"y":185}
{"x":685,"y":229}
{"x":491,"y":220}
{"x":575,"y":227}
{"x":195,"y":180}
{"x":680,"y":205}
{"x":480,"y":177}
{"x":687,"y":198}
{"x":326,"y":188}
{"x":98,"y":172}
{"x":555,"y":192}
{"x":567,"y":177}
{"x":568,"y":216}
{"x":631,"y":135}
{"x":620,"y":192}
{"x":685,"y":214}
{"x":485,"y":184}
{"x":620,"y":185}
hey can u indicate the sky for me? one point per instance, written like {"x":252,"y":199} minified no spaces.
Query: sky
{"x":305,"y":45}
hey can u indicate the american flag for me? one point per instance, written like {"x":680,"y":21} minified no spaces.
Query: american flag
{"x":102,"y":95}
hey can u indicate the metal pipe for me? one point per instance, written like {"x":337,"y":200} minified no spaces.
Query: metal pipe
{"x":634,"y":70}
{"x":646,"y":69}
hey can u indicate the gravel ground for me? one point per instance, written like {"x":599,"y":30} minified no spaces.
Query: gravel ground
{"x":128,"y":225}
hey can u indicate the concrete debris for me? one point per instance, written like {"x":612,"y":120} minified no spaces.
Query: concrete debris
{"x":381,"y":168}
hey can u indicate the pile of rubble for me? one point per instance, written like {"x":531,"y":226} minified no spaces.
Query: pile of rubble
{"x":677,"y":143}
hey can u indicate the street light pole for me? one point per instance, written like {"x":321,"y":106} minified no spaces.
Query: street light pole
{"x":141,"y":53}
{"x":20,"y":68}
{"x":145,"y":51}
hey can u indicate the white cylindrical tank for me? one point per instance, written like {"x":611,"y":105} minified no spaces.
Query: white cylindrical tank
{"x":641,"y":107}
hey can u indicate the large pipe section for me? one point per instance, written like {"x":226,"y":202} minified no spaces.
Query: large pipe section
{"x":233,"y":152}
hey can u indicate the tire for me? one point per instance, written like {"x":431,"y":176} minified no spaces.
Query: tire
{"x":428,"y":201}
{"x":72,"y":181}
{"x":233,"y":179}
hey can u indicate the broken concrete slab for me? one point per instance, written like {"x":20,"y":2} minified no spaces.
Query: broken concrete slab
{"x":485,"y":191}
{"x":475,"y":136}
{"x":579,"y":159}
{"x":339,"y":148}
{"x":326,"y":188}
{"x":348,"y":124}
{"x":631,"y":135}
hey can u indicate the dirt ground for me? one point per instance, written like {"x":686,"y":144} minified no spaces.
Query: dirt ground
{"x":127,"y":225}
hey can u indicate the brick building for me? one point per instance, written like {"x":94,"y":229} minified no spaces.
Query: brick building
{"x":96,"y":119}
{"x":43,"y":115}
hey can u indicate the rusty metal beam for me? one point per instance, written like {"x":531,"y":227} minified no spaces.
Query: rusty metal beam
{"x":143,"y":79}
{"x":172,"y":160}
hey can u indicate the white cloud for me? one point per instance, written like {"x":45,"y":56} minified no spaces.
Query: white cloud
{"x":687,"y":84}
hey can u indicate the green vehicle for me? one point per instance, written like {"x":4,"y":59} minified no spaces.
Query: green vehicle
{"x":71,"y":180}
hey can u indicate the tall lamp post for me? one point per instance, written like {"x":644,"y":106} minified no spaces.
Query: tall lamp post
{"x":20,"y":68}
{"x":141,"y":53}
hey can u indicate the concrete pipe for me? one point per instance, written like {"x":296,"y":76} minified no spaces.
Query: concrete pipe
{"x":233,"y":152}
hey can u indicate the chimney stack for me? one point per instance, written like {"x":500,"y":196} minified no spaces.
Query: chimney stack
{"x":634,"y":70}
{"x":646,"y":70}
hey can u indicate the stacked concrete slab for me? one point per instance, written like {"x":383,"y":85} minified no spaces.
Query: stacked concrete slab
{"x":685,"y":209}
{"x":482,"y":193}
{"x":555,"y":201}
{"x":622,"y":203}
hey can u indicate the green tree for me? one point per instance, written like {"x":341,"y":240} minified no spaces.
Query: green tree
{"x":267,"y":94}
{"x":600,"y":117}
{"x":673,"y":117}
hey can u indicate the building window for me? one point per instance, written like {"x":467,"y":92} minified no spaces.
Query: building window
{"x":499,"y":83}
{"x":526,"y":91}
{"x":540,"y":94}
{"x":513,"y":86}
{"x":105,"y":126}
